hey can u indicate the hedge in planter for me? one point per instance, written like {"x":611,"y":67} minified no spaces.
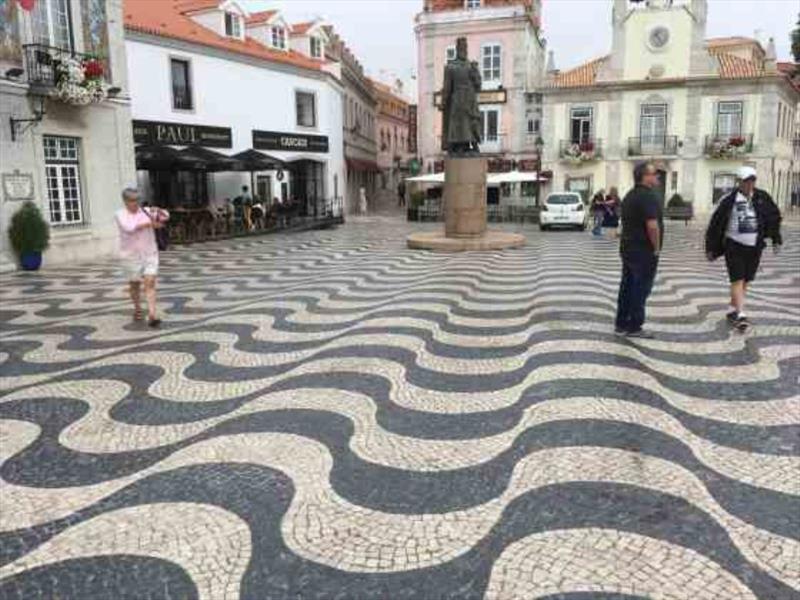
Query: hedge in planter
{"x":29,"y":235}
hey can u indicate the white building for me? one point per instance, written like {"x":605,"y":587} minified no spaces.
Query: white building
{"x":72,"y":161}
{"x":698,"y":107}
{"x":209,"y":73}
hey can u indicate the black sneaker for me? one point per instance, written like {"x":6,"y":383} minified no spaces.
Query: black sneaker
{"x":618,"y":331}
{"x":742,"y":323}
{"x":154,"y":323}
{"x":732,"y":317}
{"x":640,"y":334}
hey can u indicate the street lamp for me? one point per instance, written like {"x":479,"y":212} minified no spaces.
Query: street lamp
{"x":539,"y":147}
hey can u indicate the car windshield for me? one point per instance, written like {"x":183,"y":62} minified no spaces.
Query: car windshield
{"x":563,"y":199}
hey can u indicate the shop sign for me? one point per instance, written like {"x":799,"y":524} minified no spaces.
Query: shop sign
{"x":289,"y":142}
{"x":181,"y":134}
{"x":499,"y":165}
{"x":484,"y":97}
{"x":527,"y":165}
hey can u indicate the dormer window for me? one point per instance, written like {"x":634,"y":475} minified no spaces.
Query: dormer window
{"x":279,"y":38}
{"x":316,"y":47}
{"x":233,"y":25}
{"x":472,"y":3}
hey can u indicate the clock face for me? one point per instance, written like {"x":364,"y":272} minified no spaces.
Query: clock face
{"x":659,"y":36}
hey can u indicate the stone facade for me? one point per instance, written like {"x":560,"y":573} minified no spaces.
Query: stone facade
{"x":75,"y":160}
{"x":359,"y":116}
{"x":700,"y":108}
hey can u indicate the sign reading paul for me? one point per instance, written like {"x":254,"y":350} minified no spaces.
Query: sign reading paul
{"x":181,"y":134}
{"x":289,"y":142}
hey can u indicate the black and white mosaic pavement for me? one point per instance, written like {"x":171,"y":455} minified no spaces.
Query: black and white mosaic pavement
{"x":331,"y":415}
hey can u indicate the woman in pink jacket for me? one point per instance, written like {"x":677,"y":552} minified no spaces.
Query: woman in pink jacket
{"x":139,"y":251}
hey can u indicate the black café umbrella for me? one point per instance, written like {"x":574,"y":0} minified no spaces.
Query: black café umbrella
{"x":214,"y":161}
{"x":157,"y":157}
{"x":253,"y":160}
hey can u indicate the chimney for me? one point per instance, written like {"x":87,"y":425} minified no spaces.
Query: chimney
{"x":551,"y":62}
{"x":770,"y":57}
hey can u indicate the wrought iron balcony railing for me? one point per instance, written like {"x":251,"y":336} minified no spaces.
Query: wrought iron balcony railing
{"x":654,"y":145}
{"x":728,"y":146}
{"x":42,"y":62}
{"x":580,"y":151}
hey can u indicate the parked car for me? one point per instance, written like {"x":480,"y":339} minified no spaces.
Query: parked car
{"x":563,"y":209}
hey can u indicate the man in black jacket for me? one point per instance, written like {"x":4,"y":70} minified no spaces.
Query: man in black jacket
{"x":740,"y":224}
{"x":640,"y":245}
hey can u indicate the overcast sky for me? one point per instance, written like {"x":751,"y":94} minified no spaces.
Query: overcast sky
{"x":381,"y":32}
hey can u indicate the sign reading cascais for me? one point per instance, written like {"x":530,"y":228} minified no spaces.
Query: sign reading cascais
{"x":289,"y":142}
{"x":181,"y":134}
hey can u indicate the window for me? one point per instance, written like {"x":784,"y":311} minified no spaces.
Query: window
{"x":723,"y":184}
{"x":580,"y":124}
{"x":51,"y":23}
{"x":653,"y":125}
{"x":534,"y":126}
{"x":674,"y":180}
{"x":490,"y":119}
{"x":316,"y":47}
{"x":233,"y":25}
{"x":729,"y":119}
{"x":62,"y":173}
{"x":490,"y":62}
{"x":306,"y":109}
{"x":181,"y":84}
{"x":472,"y":3}
{"x":279,"y":38}
{"x":451,"y":53}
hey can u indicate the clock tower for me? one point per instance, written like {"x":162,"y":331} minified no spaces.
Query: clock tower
{"x":657,"y":39}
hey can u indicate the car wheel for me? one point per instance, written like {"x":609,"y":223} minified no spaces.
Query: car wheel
{"x":582,"y":227}
{"x":542,"y":227}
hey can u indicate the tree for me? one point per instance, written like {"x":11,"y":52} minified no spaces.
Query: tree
{"x":796,"y":41}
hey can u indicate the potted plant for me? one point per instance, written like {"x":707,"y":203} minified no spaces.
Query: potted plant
{"x":29,"y":234}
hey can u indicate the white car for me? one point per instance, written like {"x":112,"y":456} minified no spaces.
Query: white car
{"x":563,"y":209}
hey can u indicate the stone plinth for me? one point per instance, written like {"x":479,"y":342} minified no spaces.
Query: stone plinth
{"x":465,"y":213}
{"x":465,"y":197}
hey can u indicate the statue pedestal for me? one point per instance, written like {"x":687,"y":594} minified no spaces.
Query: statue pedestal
{"x":465,"y":213}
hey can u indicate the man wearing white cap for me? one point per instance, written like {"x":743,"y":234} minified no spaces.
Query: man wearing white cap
{"x":740,"y":224}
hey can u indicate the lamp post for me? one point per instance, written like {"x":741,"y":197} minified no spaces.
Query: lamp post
{"x":539,"y":146}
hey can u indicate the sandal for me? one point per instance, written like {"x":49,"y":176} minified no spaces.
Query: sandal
{"x":138,"y":315}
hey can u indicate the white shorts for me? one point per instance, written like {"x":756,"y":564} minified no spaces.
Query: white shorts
{"x":136,"y":268}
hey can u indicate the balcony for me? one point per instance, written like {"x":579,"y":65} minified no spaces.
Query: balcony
{"x":586,"y":150}
{"x":728,"y":146}
{"x":42,"y":64}
{"x":658,"y":145}
{"x":493,"y":144}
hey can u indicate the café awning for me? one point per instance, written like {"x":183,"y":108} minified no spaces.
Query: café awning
{"x":157,"y":157}
{"x":427,"y":178}
{"x":254,"y":160}
{"x":214,"y":161}
{"x":514,"y":177}
{"x":359,"y":164}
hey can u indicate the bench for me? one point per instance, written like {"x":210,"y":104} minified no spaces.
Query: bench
{"x":680,"y":213}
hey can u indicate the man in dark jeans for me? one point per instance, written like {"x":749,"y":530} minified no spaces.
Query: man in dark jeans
{"x":640,"y":245}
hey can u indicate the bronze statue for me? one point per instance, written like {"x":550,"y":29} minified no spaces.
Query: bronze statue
{"x":461,"y":119}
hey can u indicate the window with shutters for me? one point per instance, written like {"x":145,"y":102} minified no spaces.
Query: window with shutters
{"x":316,"y":47}
{"x":279,"y":38}
{"x":63,"y":181}
{"x":233,"y":25}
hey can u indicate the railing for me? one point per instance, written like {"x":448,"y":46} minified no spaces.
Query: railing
{"x":41,"y":63}
{"x":728,"y":146}
{"x":585,"y":150}
{"x":663,"y":145}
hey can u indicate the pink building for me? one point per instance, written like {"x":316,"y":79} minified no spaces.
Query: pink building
{"x":504,"y":37}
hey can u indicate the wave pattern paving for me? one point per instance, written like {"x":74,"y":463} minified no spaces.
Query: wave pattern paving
{"x":331,"y":415}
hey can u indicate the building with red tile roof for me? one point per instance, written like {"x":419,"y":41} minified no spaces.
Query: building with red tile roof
{"x":209,"y":73}
{"x":699,"y":107}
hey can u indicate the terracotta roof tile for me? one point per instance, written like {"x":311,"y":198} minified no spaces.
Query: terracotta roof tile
{"x":580,"y":76}
{"x":734,"y":67}
{"x":261,"y":17}
{"x":736,"y":40}
{"x":163,"y":19}
{"x":192,"y":6}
